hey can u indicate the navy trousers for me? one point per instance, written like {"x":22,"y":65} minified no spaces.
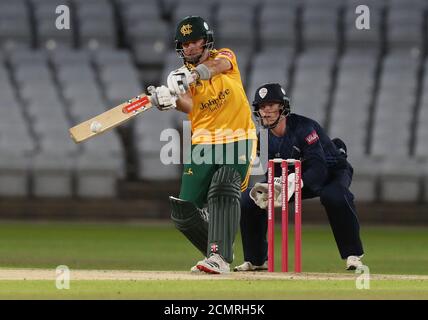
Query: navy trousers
{"x":339,"y":205}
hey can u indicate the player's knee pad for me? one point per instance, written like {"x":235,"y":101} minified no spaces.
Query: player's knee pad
{"x":224,"y":208}
{"x":226,"y":182}
{"x":191,"y":221}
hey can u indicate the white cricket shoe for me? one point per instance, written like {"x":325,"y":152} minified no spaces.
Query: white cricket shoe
{"x":353,"y":262}
{"x":215,"y":264}
{"x":195,"y":269}
{"x":248,"y":266}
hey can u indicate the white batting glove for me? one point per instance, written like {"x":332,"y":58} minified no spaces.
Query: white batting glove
{"x":162,"y":98}
{"x":179,"y":80}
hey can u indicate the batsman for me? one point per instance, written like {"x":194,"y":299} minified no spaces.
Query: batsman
{"x":209,"y":89}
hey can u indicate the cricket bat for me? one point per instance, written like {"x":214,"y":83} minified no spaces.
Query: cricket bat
{"x":110,"y":119}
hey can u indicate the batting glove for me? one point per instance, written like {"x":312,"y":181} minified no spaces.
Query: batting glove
{"x":162,"y":98}
{"x":179,"y":80}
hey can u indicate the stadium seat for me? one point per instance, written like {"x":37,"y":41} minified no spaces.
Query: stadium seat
{"x":352,"y":99}
{"x":365,"y":182}
{"x":320,"y":27}
{"x":330,"y":4}
{"x":15,"y":28}
{"x":132,"y":11}
{"x":103,"y":58}
{"x":413,"y":4}
{"x":25,"y":58}
{"x":52,"y":175}
{"x":97,"y":26}
{"x":269,"y":66}
{"x":14,"y":175}
{"x":149,"y":39}
{"x":400,"y":180}
{"x":395,"y":105}
{"x":14,"y":142}
{"x":313,"y":70}
{"x":368,"y":87}
{"x":278,"y":27}
{"x":183,"y":9}
{"x":421,"y":133}
{"x":97,"y":175}
{"x":65,"y":57}
{"x":235,"y":27}
{"x":404,"y":28}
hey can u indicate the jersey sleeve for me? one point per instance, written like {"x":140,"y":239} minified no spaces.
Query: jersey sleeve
{"x":314,"y":162}
{"x":229,"y":55}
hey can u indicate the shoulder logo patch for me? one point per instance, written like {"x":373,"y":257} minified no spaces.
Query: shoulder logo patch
{"x":226,"y":53}
{"x":312,"y":137}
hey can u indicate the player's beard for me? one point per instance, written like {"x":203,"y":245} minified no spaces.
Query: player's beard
{"x":196,"y":58}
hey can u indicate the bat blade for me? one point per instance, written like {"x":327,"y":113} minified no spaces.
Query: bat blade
{"x":110,"y":118}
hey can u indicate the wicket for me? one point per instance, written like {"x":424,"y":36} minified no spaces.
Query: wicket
{"x":284,"y":214}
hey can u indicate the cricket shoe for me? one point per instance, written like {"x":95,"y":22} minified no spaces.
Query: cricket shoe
{"x":248,"y":266}
{"x":215,"y":264}
{"x":194,"y":269}
{"x":353,"y":262}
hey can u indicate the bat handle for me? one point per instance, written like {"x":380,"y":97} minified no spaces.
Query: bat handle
{"x":153,"y":97}
{"x":151,"y":90}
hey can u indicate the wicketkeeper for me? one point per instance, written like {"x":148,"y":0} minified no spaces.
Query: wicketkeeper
{"x":209,"y":89}
{"x":326,"y":173}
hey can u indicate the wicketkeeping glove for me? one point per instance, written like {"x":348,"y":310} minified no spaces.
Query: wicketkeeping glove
{"x":260,"y":192}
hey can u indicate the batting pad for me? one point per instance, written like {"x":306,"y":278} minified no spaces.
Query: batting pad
{"x":191,"y":221}
{"x":224,"y":211}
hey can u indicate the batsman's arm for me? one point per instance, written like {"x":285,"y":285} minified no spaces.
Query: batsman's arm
{"x":184,"y":102}
{"x":210,"y":68}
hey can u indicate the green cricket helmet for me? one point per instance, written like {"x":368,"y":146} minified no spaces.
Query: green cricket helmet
{"x":193,"y":28}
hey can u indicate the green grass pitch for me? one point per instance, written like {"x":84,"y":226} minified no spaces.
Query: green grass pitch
{"x":159,"y":247}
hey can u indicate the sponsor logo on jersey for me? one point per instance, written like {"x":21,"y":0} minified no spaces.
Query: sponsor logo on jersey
{"x":312,"y":137}
{"x":214,"y":104}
